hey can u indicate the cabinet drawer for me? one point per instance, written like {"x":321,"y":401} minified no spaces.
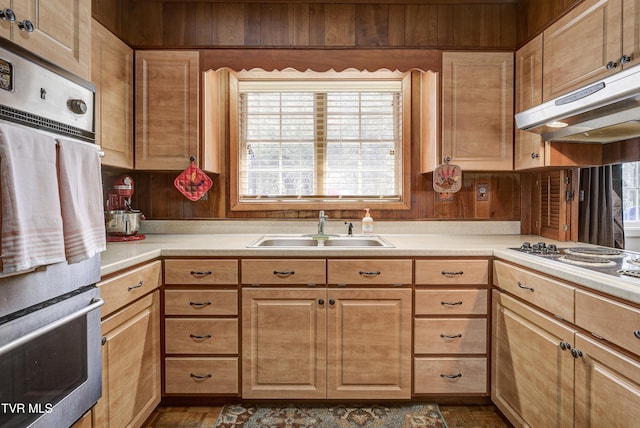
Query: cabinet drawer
{"x":201,"y":302}
{"x":200,"y":271}
{"x":548,"y":294}
{"x":123,"y":289}
{"x":283,"y":271}
{"x":450,"y":336}
{"x":614,"y":321}
{"x":451,"y":302}
{"x":369,"y":271}
{"x":438,"y":272}
{"x":201,"y":336}
{"x":450,"y":375}
{"x":201,"y":375}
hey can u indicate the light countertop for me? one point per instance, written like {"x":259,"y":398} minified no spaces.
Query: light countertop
{"x":122,"y":255}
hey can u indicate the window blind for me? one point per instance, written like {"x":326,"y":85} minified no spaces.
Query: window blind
{"x":334,"y":139}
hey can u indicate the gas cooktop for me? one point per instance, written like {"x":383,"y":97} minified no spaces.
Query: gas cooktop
{"x":610,"y":261}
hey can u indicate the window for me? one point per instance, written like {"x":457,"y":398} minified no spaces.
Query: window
{"x":631,"y":193}
{"x":321,"y":140}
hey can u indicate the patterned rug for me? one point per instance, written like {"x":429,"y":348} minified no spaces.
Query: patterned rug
{"x":390,"y":415}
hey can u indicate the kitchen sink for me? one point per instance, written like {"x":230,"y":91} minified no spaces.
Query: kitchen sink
{"x":270,"y":241}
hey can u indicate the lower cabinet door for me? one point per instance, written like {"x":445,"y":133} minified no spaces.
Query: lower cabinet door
{"x":532,"y":376}
{"x":130,"y":364}
{"x":607,"y":386}
{"x":284,"y":343}
{"x":369,"y":343}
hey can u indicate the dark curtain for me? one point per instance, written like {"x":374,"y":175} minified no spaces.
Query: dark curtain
{"x":600,"y":219}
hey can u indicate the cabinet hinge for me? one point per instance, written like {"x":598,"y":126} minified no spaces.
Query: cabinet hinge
{"x":569,"y":195}
{"x":565,"y":227}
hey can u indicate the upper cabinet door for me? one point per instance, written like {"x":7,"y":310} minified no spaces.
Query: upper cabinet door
{"x":477,"y":110}
{"x":529,"y":147}
{"x":167,"y":109}
{"x":630,"y":33}
{"x":583,"y":46}
{"x":61,"y":32}
{"x":112,"y":72}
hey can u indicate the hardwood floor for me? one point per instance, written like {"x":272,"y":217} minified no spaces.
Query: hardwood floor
{"x":205,"y":417}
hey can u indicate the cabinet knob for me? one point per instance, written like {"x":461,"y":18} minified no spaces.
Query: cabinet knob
{"x":636,"y":333}
{"x":565,"y":345}
{"x":332,"y":302}
{"x":611,"y":65}
{"x":534,"y":156}
{"x":576,"y":353}
{"x":26,"y":25}
{"x":7,"y":15}
{"x":625,"y":59}
{"x":321,"y":302}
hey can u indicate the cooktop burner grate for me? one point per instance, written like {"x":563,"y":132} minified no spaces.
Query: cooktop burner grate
{"x":594,"y":252}
{"x":630,"y":272}
{"x":586,"y":260}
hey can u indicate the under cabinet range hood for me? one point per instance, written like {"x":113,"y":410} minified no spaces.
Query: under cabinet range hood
{"x":603,"y":112}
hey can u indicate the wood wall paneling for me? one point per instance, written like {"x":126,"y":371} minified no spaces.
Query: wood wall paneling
{"x":188,"y":24}
{"x":334,"y":34}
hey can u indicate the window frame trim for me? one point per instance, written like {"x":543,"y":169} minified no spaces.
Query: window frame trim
{"x":267,"y":204}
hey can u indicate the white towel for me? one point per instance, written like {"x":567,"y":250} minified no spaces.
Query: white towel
{"x":31,"y":220}
{"x":81,"y":200}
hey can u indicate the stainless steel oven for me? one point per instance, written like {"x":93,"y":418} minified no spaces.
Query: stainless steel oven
{"x":50,"y":361}
{"x":50,"y":343}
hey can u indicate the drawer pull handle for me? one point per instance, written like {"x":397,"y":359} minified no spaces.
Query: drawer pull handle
{"x":201,"y":377}
{"x":200,"y":336}
{"x":369,"y":274}
{"x":636,"y":333}
{"x":284,"y":273}
{"x":452,"y":274}
{"x":133,"y":287}
{"x":450,"y":336}
{"x":200,"y":304}
{"x":458,"y":303}
{"x":449,"y":376}
{"x":524,"y":287}
{"x":201,"y":273}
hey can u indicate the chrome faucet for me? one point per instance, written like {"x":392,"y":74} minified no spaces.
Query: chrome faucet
{"x":322,"y":221}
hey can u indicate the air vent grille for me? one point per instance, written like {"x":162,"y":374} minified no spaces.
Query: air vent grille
{"x":35,"y":121}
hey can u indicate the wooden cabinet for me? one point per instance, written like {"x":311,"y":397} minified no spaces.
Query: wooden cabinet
{"x":548,"y":372}
{"x":369,"y":344}
{"x":131,"y":348}
{"x":532,"y":376}
{"x":201,"y":341}
{"x":450,"y":326}
{"x":304,"y":340}
{"x":530,"y":150}
{"x":284,"y":343}
{"x":610,"y":30}
{"x":529,"y":147}
{"x":112,"y":73}
{"x":607,"y":383}
{"x":477,"y":110}
{"x":167,"y":109}
{"x":553,"y":296}
{"x":61,"y":31}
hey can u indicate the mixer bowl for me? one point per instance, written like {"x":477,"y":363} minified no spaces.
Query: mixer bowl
{"x":122,"y":223}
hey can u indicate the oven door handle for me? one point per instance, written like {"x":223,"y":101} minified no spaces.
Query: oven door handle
{"x":95,"y":304}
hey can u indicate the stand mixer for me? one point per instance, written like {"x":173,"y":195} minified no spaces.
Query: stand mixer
{"x":122,"y":221}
